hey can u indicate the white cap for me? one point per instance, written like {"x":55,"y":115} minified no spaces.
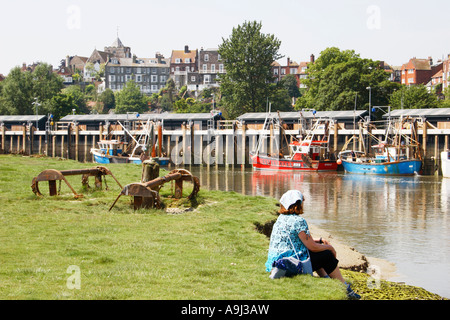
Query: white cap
{"x":291,"y":197}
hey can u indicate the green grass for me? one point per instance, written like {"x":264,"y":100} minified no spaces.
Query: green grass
{"x":212,"y":252}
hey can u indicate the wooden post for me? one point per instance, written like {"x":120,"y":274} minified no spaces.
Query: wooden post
{"x":150,"y":171}
{"x":160,"y":140}
{"x":31,"y":137}
{"x":69,"y":140}
{"x":85,"y":147}
{"x":183,"y":130}
{"x":77,"y":140}
{"x":192,"y":153}
{"x":436,"y":154}
{"x":100,"y":132}
{"x":24,"y":139}
{"x":3,"y":139}
{"x":53,"y":146}
{"x":424,"y":139}
{"x":243,"y":153}
{"x":336,"y":136}
{"x":168,"y":147}
{"x":93,"y":146}
{"x":40,"y":145}
{"x":62,"y":146}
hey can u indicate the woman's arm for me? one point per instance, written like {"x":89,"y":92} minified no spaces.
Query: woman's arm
{"x":314,"y":246}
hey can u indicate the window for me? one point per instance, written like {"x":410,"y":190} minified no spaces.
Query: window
{"x":410,"y":80}
{"x":213,"y":68}
{"x":154,"y":87}
{"x":112,"y":78}
{"x":128,"y":70}
{"x":177,"y":60}
{"x":138,"y":70}
{"x":293,"y":71}
{"x":193,"y":79}
{"x":138,"y":78}
{"x":112,"y":70}
{"x":206,"y":57}
{"x":221,"y":68}
{"x":410,"y":71}
{"x":163,"y":79}
{"x":275,"y":71}
{"x":154,"y":78}
{"x":205,"y":67}
{"x":207,"y":79}
{"x":187,"y":60}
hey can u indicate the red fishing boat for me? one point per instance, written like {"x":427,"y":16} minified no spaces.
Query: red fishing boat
{"x":308,"y":154}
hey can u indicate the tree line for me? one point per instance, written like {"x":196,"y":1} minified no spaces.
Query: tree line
{"x":337,"y":80}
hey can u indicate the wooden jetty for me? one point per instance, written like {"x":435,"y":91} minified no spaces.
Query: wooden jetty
{"x":204,"y":141}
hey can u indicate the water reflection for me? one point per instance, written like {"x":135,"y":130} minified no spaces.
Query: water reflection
{"x":400,"y":219}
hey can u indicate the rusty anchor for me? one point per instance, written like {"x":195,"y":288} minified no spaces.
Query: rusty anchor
{"x":146,"y":195}
{"x":52,"y":175}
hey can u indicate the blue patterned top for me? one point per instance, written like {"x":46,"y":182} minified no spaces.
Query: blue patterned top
{"x":280,"y":246}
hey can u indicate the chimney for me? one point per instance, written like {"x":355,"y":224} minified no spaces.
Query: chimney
{"x":186,"y":49}
{"x":159,"y":56}
{"x":288,"y":61}
{"x":312,"y":59}
{"x":430,"y":59}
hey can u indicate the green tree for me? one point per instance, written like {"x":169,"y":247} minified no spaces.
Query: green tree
{"x":46,"y":83}
{"x":130,"y":99}
{"x":167,"y":96}
{"x":289,"y":82}
{"x":108,"y":99}
{"x":17,"y":93}
{"x":78,"y":97}
{"x":248,"y":55}
{"x":337,"y":77}
{"x":61,"y":105}
{"x":413,"y":97}
{"x":22,"y":88}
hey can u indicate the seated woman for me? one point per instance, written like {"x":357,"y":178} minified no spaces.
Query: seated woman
{"x":291,"y":229}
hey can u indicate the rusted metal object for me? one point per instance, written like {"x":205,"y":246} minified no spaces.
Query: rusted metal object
{"x":146,"y":194}
{"x":52,"y":175}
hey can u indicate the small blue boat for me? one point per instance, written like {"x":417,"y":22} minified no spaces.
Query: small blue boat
{"x":110,"y":151}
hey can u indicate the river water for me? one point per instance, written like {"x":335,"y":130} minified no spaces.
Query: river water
{"x":404,"y":220}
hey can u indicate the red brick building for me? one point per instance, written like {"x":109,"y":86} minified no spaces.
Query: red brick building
{"x":419,"y":71}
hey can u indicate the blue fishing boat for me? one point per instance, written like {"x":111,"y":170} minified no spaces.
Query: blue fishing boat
{"x":387,"y":163}
{"x":111,"y":151}
{"x":400,"y":156}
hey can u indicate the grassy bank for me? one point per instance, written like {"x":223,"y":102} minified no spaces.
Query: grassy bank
{"x":212,"y":252}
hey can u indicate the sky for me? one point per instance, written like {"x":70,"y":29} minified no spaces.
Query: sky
{"x":389,"y":30}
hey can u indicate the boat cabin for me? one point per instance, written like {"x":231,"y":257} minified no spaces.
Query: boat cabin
{"x":311,"y":149}
{"x":111,"y":147}
{"x":384,"y":153}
